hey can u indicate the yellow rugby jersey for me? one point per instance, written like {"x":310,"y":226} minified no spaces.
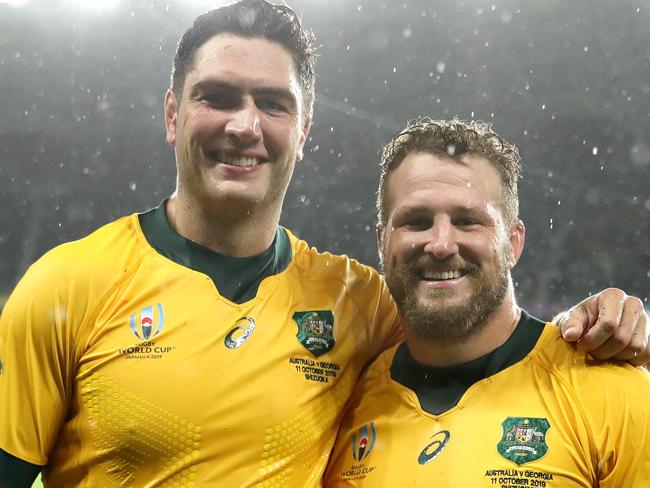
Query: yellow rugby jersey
{"x":123,"y":367}
{"x":552,"y":419}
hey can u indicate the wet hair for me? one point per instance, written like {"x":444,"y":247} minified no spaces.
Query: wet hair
{"x":257,"y":19}
{"x":453,"y":138}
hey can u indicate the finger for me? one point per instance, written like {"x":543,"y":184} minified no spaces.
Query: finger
{"x":577,"y":320}
{"x":633,"y":313}
{"x":643,"y":356}
{"x":571,"y":324}
{"x":609,"y":306}
{"x":628,"y":341}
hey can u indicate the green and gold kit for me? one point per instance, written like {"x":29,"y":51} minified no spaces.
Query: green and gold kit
{"x":123,"y":364}
{"x":533,"y":413}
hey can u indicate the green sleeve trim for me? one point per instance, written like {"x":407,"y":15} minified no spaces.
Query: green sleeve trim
{"x":16,"y":473}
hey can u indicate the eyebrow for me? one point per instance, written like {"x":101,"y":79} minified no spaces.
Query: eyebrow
{"x":208,"y":84}
{"x":410,"y":209}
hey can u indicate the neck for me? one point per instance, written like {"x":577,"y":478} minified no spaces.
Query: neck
{"x":499,"y":326}
{"x":229,"y":231}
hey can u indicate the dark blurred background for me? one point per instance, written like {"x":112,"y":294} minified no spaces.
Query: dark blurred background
{"x":82,"y":140}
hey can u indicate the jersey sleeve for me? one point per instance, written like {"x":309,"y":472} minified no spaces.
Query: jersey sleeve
{"x":371,"y":396}
{"x":373,"y":297}
{"x":341,"y":450}
{"x":36,"y":361}
{"x":622,"y":428}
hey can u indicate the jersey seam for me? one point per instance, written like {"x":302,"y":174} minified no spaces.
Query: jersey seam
{"x":368,"y":322}
{"x":566,"y":386}
{"x":367,"y":319}
{"x":85,"y":327}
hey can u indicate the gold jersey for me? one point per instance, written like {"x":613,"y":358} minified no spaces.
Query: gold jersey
{"x":122,"y":367}
{"x":553,"y":419}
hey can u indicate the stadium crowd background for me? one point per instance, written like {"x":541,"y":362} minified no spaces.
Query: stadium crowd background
{"x":82,"y":136}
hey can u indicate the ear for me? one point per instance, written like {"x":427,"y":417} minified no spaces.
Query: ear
{"x":517,"y":239}
{"x":306,"y":127}
{"x":171,"y":113}
{"x":379,"y":229}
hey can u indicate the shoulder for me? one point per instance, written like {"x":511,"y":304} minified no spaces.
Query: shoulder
{"x":586,"y":376}
{"x":108,"y":247}
{"x":113,"y":240}
{"x":361,"y":282}
{"x":325,"y":265}
{"x":605,"y":401}
{"x":377,"y":376}
{"x":78,"y":270}
{"x":358,"y":289}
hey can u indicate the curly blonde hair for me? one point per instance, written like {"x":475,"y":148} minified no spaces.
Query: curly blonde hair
{"x":453,"y":138}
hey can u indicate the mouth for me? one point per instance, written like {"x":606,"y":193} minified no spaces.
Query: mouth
{"x":440,"y":276}
{"x":235,"y":160}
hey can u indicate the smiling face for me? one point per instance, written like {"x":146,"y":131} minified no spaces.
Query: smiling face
{"x":238,"y":128}
{"x":446,"y":249}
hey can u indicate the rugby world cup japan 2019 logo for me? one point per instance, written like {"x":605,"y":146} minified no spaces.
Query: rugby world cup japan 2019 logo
{"x":149,"y":323}
{"x":363,"y":441}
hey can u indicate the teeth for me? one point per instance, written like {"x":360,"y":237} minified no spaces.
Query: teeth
{"x":238,"y":160}
{"x":444,"y":275}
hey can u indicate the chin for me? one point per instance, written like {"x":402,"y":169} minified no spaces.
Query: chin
{"x":442,"y":322}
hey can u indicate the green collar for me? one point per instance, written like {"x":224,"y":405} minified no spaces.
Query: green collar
{"x":440,"y":389}
{"x":236,"y":279}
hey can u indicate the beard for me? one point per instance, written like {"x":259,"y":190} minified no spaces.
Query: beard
{"x":430,"y":317}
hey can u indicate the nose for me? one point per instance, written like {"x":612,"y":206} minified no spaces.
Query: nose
{"x":441,"y":241}
{"x":244,"y":124}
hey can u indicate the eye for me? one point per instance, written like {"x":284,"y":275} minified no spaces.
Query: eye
{"x":220,"y":100}
{"x":417,"y":223}
{"x":271,"y":105}
{"x":465,"y":222}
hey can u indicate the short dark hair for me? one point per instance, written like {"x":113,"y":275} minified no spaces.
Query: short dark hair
{"x":453,"y":138}
{"x":251,"y":19}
